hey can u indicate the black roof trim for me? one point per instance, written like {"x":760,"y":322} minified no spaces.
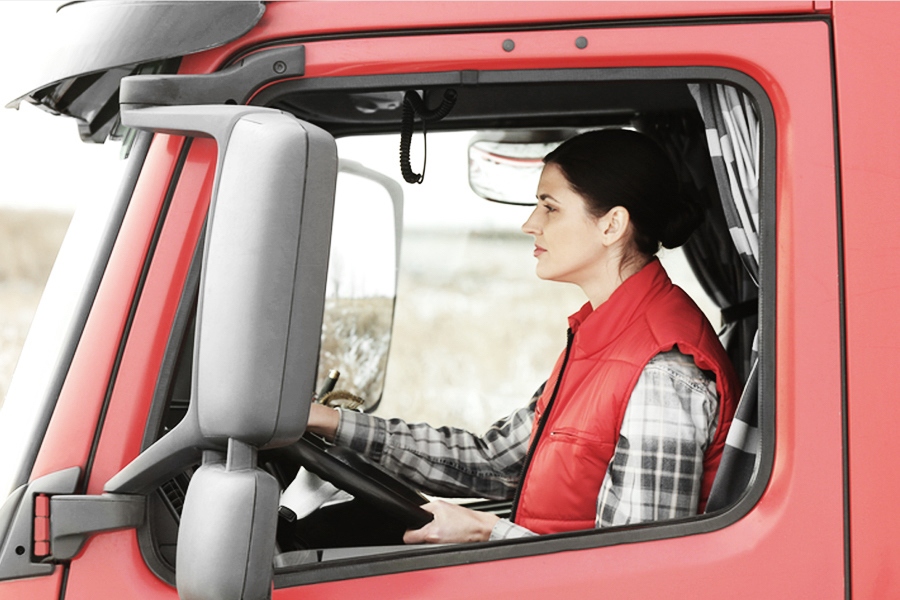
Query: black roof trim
{"x":91,"y":46}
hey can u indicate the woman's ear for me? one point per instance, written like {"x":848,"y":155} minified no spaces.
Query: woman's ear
{"x":614,"y":224}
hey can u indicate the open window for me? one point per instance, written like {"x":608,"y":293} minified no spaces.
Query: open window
{"x":464,"y":261}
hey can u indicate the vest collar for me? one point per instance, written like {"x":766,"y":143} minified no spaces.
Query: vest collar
{"x":596,"y":328}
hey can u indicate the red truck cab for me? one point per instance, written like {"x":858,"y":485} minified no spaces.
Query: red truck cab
{"x":259,"y":241}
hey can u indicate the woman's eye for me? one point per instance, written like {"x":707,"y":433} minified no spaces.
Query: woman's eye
{"x":549,"y":208}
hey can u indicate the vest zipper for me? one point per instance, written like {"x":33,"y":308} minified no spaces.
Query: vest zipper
{"x":540,"y":428}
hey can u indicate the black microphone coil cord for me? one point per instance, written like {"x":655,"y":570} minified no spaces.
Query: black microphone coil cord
{"x":413,"y":106}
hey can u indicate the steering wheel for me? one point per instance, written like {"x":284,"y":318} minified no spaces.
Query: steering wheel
{"x":364,"y":479}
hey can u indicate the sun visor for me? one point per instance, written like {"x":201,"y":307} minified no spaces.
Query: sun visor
{"x":90,"y":46}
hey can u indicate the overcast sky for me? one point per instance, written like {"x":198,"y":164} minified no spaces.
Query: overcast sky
{"x":43,"y":163}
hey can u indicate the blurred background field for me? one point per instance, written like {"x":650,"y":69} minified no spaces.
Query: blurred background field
{"x":475,"y":332}
{"x":29,"y":242}
{"x":454,"y":359}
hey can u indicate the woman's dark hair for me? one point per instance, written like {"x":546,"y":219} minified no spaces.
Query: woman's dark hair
{"x":618,"y":167}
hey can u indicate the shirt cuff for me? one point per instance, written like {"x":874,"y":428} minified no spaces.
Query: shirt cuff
{"x":505,"y":529}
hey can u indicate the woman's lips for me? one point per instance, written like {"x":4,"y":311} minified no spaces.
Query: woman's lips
{"x":538,"y":251}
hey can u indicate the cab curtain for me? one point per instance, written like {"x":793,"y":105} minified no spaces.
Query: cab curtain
{"x":733,"y":136}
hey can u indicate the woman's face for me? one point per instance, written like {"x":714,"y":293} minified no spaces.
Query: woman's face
{"x":567,"y":238}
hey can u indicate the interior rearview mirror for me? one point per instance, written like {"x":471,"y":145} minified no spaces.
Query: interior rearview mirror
{"x":505,"y":166}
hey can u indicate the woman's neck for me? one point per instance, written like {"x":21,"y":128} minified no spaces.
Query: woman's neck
{"x":599,"y":289}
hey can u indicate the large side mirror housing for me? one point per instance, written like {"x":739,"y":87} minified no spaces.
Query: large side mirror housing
{"x":263,"y":284}
{"x":259,"y":321}
{"x":263,"y":281}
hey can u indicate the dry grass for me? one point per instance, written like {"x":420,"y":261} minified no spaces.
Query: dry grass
{"x":355,"y":340}
{"x":29,"y":242}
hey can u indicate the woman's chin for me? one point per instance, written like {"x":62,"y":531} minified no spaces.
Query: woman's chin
{"x":544,"y":273}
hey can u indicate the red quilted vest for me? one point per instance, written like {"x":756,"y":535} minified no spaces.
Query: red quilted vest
{"x":611,"y":345}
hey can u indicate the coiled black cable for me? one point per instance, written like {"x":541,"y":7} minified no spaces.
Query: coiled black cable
{"x":414,"y":105}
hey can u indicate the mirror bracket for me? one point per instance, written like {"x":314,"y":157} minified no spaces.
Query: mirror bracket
{"x":241,"y":456}
{"x":73,"y":519}
{"x":21,"y":554}
{"x":235,"y":84}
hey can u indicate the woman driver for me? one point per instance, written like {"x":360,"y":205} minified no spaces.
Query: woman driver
{"x":631,"y":424}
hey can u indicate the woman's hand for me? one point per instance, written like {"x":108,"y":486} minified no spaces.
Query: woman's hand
{"x":452,"y":523}
{"x":323,"y":420}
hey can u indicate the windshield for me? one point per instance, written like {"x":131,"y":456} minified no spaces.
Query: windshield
{"x":54,"y":331}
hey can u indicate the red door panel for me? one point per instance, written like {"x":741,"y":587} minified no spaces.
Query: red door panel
{"x":866,"y":45}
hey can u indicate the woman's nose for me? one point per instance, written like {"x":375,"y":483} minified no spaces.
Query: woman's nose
{"x":530,"y":226}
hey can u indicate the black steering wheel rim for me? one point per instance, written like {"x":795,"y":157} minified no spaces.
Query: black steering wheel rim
{"x":364,"y":479}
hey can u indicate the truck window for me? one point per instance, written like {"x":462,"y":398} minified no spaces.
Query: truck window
{"x":473,"y":332}
{"x":468,"y":297}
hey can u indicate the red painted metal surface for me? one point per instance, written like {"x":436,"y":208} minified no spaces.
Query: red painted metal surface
{"x":285,"y":19}
{"x":39,"y":588}
{"x":868,"y":88}
{"x":141,"y":361}
{"x":70,"y":434}
{"x":111,"y":568}
{"x":309,"y":19}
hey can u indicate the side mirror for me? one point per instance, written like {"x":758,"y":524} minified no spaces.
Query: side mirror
{"x":362,"y":280}
{"x":259,"y":320}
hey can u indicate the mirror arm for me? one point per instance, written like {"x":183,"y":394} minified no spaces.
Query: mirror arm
{"x":163,"y":460}
{"x":73,"y":519}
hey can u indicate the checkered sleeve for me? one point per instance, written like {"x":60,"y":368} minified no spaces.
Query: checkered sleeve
{"x":507,"y":530}
{"x":657,"y":467}
{"x":445,"y":461}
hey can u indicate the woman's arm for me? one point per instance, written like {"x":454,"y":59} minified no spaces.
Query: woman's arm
{"x":444,"y":461}
{"x":657,"y":468}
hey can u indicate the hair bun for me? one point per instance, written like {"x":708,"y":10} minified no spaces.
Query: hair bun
{"x":683,"y":219}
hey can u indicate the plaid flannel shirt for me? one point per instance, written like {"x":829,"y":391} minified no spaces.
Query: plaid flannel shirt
{"x":655,"y":472}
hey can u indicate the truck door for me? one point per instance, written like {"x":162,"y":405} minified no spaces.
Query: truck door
{"x":758,"y":547}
